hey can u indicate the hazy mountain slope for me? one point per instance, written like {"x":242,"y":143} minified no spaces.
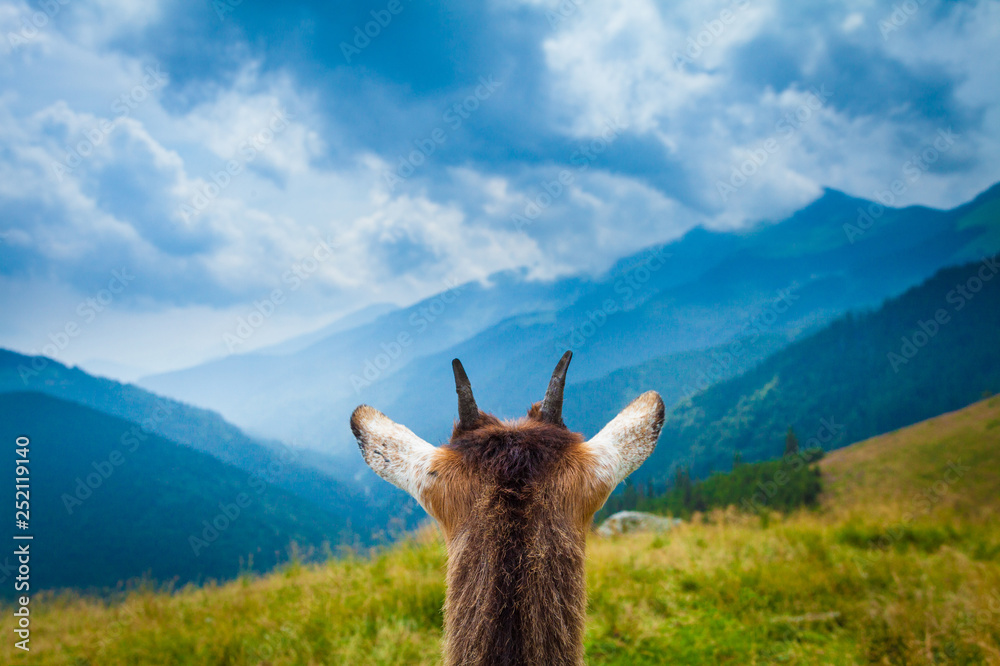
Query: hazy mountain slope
{"x":774,"y":282}
{"x":286,"y":396}
{"x":700,"y":292}
{"x":862,"y":375}
{"x":355,"y":319}
{"x":194,"y":426}
{"x":109,"y":503}
{"x":200,"y":429}
{"x":809,"y":253}
{"x":590,"y":405}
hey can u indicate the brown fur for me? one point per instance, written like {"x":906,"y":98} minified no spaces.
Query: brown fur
{"x":514,"y":501}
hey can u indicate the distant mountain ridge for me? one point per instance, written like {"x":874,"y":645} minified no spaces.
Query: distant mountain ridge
{"x":307,"y":474}
{"x":676,"y":301}
{"x":110,"y":503}
{"x":358,"y":318}
{"x":291,"y":396}
{"x":934,"y":349}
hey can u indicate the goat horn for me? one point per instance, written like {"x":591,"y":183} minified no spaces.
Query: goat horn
{"x":552,"y":405}
{"x":468,"y":412}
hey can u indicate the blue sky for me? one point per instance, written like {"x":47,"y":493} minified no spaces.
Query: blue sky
{"x":220,"y":150}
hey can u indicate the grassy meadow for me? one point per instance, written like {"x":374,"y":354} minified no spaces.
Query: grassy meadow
{"x":900,"y":564}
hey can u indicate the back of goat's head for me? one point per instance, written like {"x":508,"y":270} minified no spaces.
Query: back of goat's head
{"x":530,"y":474}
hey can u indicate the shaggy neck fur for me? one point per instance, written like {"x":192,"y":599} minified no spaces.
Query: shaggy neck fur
{"x":516,"y":588}
{"x":514,"y":501}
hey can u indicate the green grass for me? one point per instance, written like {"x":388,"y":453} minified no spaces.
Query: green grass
{"x":867,"y":577}
{"x":907,"y":472}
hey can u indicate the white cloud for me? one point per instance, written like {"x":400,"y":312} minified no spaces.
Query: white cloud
{"x":242,"y":115}
{"x":671,"y":71}
{"x":631,"y":60}
{"x":153,"y":192}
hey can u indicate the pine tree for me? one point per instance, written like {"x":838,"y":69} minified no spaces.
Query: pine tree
{"x":791,"y":443}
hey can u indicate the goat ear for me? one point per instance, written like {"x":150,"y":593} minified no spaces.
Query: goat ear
{"x":393,"y":451}
{"x":626,"y":442}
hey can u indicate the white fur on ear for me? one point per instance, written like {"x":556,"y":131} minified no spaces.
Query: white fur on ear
{"x":628,"y":439}
{"x":393,"y":451}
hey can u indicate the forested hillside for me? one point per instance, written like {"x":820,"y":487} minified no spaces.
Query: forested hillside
{"x":309,"y":474}
{"x":934,"y":349}
{"x":110,"y":503}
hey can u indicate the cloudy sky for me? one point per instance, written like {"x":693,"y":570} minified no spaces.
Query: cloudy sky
{"x":177,"y":162}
